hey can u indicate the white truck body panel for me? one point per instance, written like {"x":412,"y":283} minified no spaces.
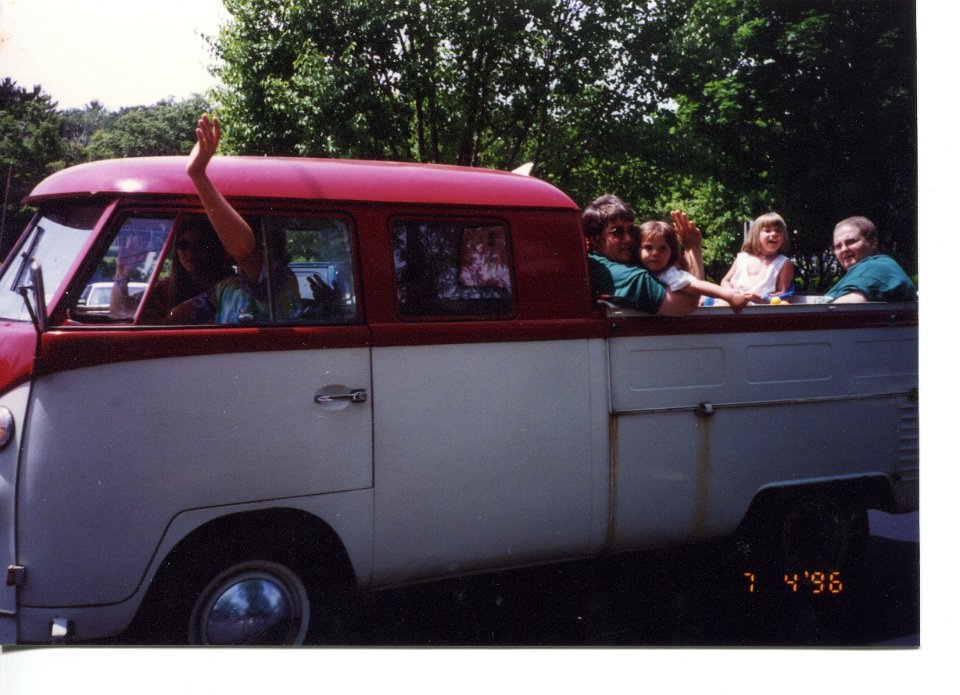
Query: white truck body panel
{"x":174,"y":435}
{"x":696,"y":418}
{"x":16,"y":401}
{"x":488,"y":455}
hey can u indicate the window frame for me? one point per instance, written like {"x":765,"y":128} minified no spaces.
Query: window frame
{"x":95,"y":254}
{"x":253,"y":214}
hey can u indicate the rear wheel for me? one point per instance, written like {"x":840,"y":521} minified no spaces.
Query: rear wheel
{"x":796,"y":533}
{"x":822,"y":533}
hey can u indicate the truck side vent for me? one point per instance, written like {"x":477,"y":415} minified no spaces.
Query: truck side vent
{"x":908,"y":445}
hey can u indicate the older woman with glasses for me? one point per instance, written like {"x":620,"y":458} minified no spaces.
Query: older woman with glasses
{"x":869,"y":276}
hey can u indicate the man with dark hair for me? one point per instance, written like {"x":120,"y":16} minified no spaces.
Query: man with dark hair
{"x":608,"y":224}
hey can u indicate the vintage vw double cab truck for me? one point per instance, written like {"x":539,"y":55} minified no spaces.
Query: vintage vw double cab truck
{"x":467,"y":405}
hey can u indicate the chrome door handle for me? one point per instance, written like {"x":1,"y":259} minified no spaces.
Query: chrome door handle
{"x":355,"y":396}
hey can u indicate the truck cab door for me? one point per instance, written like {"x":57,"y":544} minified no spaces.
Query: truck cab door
{"x":134,"y":424}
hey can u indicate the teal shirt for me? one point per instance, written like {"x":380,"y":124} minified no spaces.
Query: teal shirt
{"x":639,"y":288}
{"x":879,"y":278}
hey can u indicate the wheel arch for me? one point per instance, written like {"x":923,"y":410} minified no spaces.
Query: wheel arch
{"x":811,"y":521}
{"x":865,"y":492}
{"x":302,"y":531}
{"x":310,"y":543}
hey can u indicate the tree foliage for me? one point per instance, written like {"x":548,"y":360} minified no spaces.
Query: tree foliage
{"x":30,"y":149}
{"x":79,"y":126}
{"x":724,"y":108}
{"x":807,"y":108}
{"x":167,"y":127}
{"x":728,"y":108}
{"x":472,"y":82}
{"x":36,"y":140}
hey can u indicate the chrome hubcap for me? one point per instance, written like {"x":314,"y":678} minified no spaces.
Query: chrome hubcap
{"x":263,"y":605}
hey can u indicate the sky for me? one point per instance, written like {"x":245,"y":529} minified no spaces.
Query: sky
{"x":120,"y":53}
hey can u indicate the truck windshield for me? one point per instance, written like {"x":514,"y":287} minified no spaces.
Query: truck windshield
{"x":54,"y":240}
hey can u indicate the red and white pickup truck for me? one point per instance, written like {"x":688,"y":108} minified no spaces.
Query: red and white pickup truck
{"x":465,"y":406}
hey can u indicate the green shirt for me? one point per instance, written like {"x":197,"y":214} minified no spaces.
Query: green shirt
{"x":636,"y":286}
{"x":878,"y":278}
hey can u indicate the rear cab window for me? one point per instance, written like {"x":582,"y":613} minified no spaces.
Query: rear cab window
{"x":452,"y":269}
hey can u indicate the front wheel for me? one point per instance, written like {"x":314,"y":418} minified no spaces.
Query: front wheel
{"x":251,"y":603}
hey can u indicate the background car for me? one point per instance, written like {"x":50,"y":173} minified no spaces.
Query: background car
{"x":95,"y":299}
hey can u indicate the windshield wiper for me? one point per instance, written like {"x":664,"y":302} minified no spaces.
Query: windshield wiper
{"x":27,"y":256}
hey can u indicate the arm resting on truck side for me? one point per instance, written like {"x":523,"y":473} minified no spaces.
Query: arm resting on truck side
{"x":678,"y":304}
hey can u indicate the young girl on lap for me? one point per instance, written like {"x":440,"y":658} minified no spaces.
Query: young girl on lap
{"x":659,"y":251}
{"x":760,"y":270}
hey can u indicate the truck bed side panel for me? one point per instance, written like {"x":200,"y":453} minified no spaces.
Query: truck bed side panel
{"x":704,"y":422}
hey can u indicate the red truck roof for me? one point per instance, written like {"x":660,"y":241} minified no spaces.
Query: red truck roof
{"x":301,"y":178}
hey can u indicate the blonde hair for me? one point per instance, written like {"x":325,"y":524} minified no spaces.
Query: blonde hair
{"x":751,"y":244}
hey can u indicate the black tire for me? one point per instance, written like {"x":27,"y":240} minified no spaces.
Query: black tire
{"x":796,"y":533}
{"x":314,"y":584}
{"x":822,"y":533}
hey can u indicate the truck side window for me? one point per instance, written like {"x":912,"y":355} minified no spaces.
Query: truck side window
{"x":457,"y":269}
{"x":310,"y":278}
{"x":318,"y":252}
{"x":115,"y":290}
{"x":307,"y":278}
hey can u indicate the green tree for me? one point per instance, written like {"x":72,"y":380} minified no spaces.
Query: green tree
{"x":30,"y":149}
{"x":79,"y":125}
{"x":473,"y":82}
{"x":728,"y":108}
{"x":166,"y":128}
{"x":808,"y":108}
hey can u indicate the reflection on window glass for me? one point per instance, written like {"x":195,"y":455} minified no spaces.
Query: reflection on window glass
{"x":450,"y":268}
{"x":483,"y":258}
{"x":316,"y":252}
{"x":118,"y":285}
{"x":54,"y":242}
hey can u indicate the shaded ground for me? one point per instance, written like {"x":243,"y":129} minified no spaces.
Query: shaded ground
{"x":693,"y":596}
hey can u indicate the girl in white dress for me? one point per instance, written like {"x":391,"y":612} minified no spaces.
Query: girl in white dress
{"x":761,"y":270}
